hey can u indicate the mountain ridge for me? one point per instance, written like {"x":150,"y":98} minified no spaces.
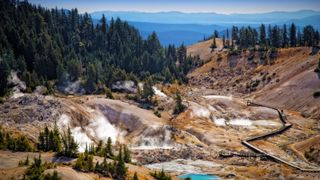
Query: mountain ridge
{"x":176,"y":17}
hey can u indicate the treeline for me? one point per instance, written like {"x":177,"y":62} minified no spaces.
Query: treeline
{"x":160,"y":175}
{"x":62,"y":45}
{"x":115,"y":169}
{"x":52,"y":140}
{"x":268,"y":37}
{"x":65,"y":145}
{"x":9,"y":141}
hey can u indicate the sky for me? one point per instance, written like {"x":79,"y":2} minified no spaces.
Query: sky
{"x":218,"y":6}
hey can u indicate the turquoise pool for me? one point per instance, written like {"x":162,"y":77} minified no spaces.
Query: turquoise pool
{"x":199,"y":177}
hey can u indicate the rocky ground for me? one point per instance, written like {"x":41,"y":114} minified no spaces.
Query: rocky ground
{"x":210,"y":125}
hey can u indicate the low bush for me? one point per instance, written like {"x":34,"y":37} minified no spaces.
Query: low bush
{"x":161,"y":175}
{"x":157,"y":113}
{"x":316,"y":94}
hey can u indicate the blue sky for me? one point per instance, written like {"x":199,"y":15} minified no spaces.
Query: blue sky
{"x":218,"y":6}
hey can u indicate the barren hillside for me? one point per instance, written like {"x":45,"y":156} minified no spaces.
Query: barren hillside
{"x":284,"y":78}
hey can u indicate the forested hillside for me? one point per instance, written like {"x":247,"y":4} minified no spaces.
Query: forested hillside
{"x":266,"y":37}
{"x":51,"y":47}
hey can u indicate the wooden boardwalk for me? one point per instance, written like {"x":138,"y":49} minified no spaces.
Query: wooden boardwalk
{"x":285,"y":126}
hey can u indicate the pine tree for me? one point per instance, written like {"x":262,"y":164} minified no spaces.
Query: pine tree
{"x":46,"y":139}
{"x":119,"y":156}
{"x":299,"y":39}
{"x":213,"y":44}
{"x":103,"y":22}
{"x":275,"y":39}
{"x":285,"y":40}
{"x":127,"y":156}
{"x":148,"y":91}
{"x":106,"y":168}
{"x":70,"y":146}
{"x":309,"y":36}
{"x":317,"y":38}
{"x":41,"y":141}
{"x":51,"y":141}
{"x":179,"y":106}
{"x":57,"y":146}
{"x":228,"y":38}
{"x":3,"y":140}
{"x":27,"y":161}
{"x":120,"y":169}
{"x":99,"y":147}
{"x":153,"y":44}
{"x":74,"y":69}
{"x":12,"y":144}
{"x":97,"y":167}
{"x":135,"y":176}
{"x":79,"y":163}
{"x":216,"y":34}
{"x":167,"y":75}
{"x":223,"y":41}
{"x":91,"y":79}
{"x":293,"y":35}
{"x":36,"y":169}
{"x":235,"y":37}
{"x":4,"y":73}
{"x":22,"y":144}
{"x":262,"y":37}
{"x":270,"y":36}
{"x":92,"y":149}
{"x":182,"y":54}
{"x":109,"y":152}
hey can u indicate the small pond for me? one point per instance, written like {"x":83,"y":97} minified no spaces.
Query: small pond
{"x":199,"y":177}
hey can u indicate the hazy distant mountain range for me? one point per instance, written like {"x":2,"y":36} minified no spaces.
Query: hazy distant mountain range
{"x":178,"y":27}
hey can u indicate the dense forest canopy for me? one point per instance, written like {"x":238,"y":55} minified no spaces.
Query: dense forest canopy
{"x":271,"y":36}
{"x":55,"y":47}
{"x":51,"y":45}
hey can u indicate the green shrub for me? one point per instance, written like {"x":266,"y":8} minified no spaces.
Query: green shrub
{"x":84,"y":163}
{"x":132,"y":97}
{"x":108,"y":93}
{"x":36,"y":169}
{"x":161,"y":175}
{"x":157,"y":113}
{"x":234,"y":52}
{"x":25,"y":162}
{"x":19,"y":143}
{"x":54,"y":176}
{"x":255,"y":83}
{"x":316,"y":94}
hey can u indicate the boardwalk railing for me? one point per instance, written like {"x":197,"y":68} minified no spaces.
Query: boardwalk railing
{"x":285,"y":126}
